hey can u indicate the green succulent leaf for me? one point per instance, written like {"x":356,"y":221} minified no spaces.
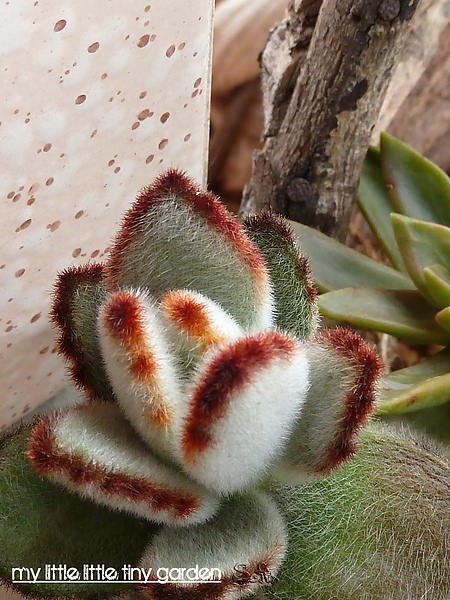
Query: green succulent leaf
{"x":335,"y":266}
{"x":42,"y":524}
{"x":417,"y":187}
{"x":377,"y":529}
{"x":373,"y":200}
{"x":293,"y":288}
{"x":443,"y":318}
{"x":420,"y":386}
{"x":402,"y":313}
{"x":422,"y":244}
{"x":437,"y":279}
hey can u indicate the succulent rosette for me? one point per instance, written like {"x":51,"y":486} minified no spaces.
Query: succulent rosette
{"x":196,"y":347}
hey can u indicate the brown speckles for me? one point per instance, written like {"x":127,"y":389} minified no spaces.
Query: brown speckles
{"x":24,"y":225}
{"x":80,"y":99}
{"x":34,"y":188}
{"x":142,"y":95}
{"x":47,"y":147}
{"x":10,"y":195}
{"x":149,"y":159}
{"x":17,"y":197}
{"x":94,"y":133}
{"x":59,"y":25}
{"x":182,"y":45}
{"x":135,"y":125}
{"x":44,"y":350}
{"x":164,"y":117}
{"x":95,"y":253}
{"x":35,"y":318}
{"x":153,"y":38}
{"x":194,"y":93}
{"x":197,"y":82}
{"x":79,"y":214}
{"x":53,"y":226}
{"x":170,"y":50}
{"x":187,"y":137}
{"x":147,"y":8}
{"x":31,"y":201}
{"x":93,"y":47}
{"x":19,"y":273}
{"x":163,"y":143}
{"x":144,"y":114}
{"x":104,"y":75}
{"x":76,"y":252}
{"x":111,"y":162}
{"x":143,"y":41}
{"x":117,"y":169}
{"x":49,"y":181}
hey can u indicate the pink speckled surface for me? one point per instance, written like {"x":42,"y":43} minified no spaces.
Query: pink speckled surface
{"x":97,"y":98}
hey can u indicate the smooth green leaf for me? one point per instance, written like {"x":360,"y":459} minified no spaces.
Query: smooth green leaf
{"x":41,"y":524}
{"x":417,"y":187}
{"x":422,"y":244}
{"x":373,"y":200}
{"x":335,"y":266}
{"x":437,"y":279}
{"x":402,"y":313}
{"x":420,"y":386}
{"x":443,"y":318}
{"x":430,"y":392}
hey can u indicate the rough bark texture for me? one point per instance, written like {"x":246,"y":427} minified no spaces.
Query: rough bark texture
{"x":317,"y":134}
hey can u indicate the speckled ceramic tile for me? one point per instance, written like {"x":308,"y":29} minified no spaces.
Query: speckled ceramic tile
{"x":96,"y":99}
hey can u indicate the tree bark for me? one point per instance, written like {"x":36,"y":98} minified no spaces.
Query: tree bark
{"x":325,"y":103}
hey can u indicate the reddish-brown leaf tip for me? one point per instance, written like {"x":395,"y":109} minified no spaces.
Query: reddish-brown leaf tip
{"x":361,"y":395}
{"x":232,"y":368}
{"x":174,"y":185}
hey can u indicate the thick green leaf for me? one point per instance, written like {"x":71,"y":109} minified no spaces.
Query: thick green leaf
{"x":373,"y":200}
{"x":430,"y":392}
{"x":335,"y":266}
{"x":422,"y":244}
{"x":293,"y":288}
{"x":443,"y":318}
{"x":402,"y":313}
{"x":42,"y":524}
{"x":417,"y":187}
{"x":378,"y":529}
{"x":437,"y":279}
{"x":421,"y":386}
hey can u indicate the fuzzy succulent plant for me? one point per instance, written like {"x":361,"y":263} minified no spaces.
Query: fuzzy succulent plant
{"x":406,"y":201}
{"x":215,"y":423}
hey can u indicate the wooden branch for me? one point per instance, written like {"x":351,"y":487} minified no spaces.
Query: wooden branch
{"x":309,"y":165}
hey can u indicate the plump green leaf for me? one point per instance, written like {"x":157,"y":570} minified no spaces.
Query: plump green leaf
{"x":41,"y":524}
{"x":378,"y":529}
{"x":402,"y":313}
{"x":422,"y":244}
{"x":420,"y":386}
{"x":335,"y":266}
{"x":443,"y":318}
{"x":373,"y":200}
{"x":293,"y":288}
{"x":437,"y":280}
{"x":417,"y":187}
